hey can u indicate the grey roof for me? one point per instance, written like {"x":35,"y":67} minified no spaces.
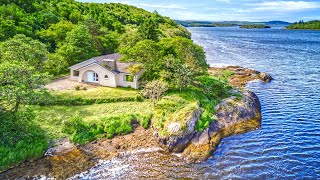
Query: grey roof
{"x":121,"y":67}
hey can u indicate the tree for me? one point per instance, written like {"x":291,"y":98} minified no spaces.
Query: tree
{"x":148,"y":30}
{"x":78,"y":46}
{"x":154,"y":90}
{"x":148,"y":53}
{"x":56,"y":64}
{"x":184,"y":51}
{"x":18,"y":84}
{"x":56,"y":33}
{"x":183,"y":76}
{"x":23,"y":49}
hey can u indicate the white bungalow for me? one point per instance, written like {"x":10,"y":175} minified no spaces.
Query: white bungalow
{"x":107,"y":71}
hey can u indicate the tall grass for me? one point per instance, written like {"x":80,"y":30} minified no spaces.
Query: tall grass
{"x":20,"y":139}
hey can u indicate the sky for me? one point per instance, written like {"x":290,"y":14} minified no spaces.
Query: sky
{"x":229,"y":10}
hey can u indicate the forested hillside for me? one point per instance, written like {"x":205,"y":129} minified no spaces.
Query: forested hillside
{"x":305,"y":25}
{"x":64,"y":32}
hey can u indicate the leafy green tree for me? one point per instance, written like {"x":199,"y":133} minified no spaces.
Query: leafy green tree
{"x":184,"y":51}
{"x":149,"y":54}
{"x":18,"y":84}
{"x":56,"y":33}
{"x":55,"y":64}
{"x":183,"y":76}
{"x":149,"y":29}
{"x":78,"y":46}
{"x":24,"y":49}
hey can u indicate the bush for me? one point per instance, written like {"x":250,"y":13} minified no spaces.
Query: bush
{"x":154,"y":90}
{"x":77,"y":88}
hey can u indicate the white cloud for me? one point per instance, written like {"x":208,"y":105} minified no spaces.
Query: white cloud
{"x":161,"y":6}
{"x":226,"y":1}
{"x":284,"y":5}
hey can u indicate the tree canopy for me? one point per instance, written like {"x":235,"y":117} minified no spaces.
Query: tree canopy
{"x":315,"y":24}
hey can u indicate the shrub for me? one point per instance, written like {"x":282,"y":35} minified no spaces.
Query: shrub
{"x":77,"y":88}
{"x":154,"y":90}
{"x":144,"y":120}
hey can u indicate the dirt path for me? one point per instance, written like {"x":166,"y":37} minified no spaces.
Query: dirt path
{"x":65,"y":83}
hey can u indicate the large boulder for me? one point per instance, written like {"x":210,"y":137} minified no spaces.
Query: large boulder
{"x":177,"y":142}
{"x":234,"y":115}
{"x":265,"y":77}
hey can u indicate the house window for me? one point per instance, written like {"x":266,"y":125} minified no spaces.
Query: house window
{"x":95,"y":77}
{"x":128,"y":78}
{"x":106,"y":76}
{"x":75,"y":73}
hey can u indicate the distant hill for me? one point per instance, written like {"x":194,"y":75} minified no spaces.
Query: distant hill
{"x":315,"y":24}
{"x":229,"y":23}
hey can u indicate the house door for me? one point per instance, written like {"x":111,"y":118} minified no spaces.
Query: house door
{"x":92,"y":76}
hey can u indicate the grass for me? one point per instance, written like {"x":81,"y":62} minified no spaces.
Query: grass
{"x":173,"y":108}
{"x":97,"y":95}
{"x":26,"y":134}
{"x":20,"y":139}
{"x":85,"y":115}
{"x":52,"y":118}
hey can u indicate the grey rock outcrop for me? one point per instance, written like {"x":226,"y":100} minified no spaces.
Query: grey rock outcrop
{"x":177,"y":142}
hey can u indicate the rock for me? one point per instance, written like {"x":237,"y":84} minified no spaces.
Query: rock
{"x":61,"y":146}
{"x":265,"y":77}
{"x":174,"y":127}
{"x":234,"y":115}
{"x":177,"y":142}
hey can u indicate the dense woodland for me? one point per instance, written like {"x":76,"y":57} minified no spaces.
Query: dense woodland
{"x":315,"y":24}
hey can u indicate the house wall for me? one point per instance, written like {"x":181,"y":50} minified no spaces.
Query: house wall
{"x":77,"y":66}
{"x":134,"y":84}
{"x":110,"y":82}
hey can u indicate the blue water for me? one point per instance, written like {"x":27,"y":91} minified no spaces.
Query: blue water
{"x":288,"y":144}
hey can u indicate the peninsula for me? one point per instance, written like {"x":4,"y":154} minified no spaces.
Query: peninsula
{"x":51,"y":122}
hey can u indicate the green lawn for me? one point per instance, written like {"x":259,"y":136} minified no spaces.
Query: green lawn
{"x":98,"y":93}
{"x":52,"y":118}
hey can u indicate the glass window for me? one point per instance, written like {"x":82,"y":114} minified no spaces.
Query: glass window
{"x":129,"y":78}
{"x":95,"y":77}
{"x":75,"y":73}
{"x":106,"y":76}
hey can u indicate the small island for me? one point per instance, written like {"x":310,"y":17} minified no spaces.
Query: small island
{"x":310,"y":25}
{"x":254,"y":26}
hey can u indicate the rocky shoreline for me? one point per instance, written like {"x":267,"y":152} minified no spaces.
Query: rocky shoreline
{"x":234,"y":115}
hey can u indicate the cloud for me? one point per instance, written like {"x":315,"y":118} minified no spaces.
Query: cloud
{"x":284,"y":5}
{"x":169,"y":6}
{"x":226,"y":1}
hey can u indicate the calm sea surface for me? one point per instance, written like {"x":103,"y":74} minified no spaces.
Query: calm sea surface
{"x":288,"y":144}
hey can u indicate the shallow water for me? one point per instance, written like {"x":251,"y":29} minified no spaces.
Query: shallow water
{"x":288,"y":144}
